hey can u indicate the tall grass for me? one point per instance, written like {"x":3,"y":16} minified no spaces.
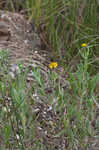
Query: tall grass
{"x":67,"y":25}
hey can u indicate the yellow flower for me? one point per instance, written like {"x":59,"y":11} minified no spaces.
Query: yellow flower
{"x":53,"y":65}
{"x":83,"y":44}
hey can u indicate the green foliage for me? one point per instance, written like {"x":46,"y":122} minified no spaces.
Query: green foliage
{"x":68,"y":25}
{"x":74,"y":108}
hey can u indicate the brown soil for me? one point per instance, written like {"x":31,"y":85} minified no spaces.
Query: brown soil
{"x":17,"y":35}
